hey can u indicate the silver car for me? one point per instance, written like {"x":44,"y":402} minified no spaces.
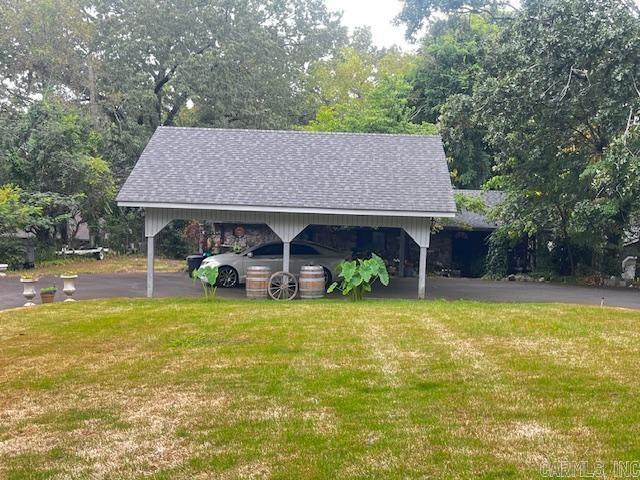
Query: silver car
{"x":233,"y":266}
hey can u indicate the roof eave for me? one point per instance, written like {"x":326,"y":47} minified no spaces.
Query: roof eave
{"x":276,"y":209}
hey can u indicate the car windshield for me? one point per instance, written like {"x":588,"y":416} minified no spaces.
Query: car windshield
{"x":310,"y":246}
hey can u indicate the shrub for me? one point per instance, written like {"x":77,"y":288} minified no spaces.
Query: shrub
{"x":11,"y":252}
{"x":358,"y":276}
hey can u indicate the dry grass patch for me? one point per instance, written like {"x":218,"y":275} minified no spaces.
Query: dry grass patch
{"x":111,"y":264}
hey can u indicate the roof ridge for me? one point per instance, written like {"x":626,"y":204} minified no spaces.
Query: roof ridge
{"x":212,"y":129}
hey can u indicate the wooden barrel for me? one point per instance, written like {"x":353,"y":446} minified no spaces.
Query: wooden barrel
{"x":258,"y":281}
{"x":312,"y":281}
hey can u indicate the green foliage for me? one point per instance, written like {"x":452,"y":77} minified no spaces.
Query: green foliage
{"x":126,"y":229}
{"x":11,"y":251}
{"x":48,"y":290}
{"x":361,"y":93}
{"x":452,"y":59}
{"x":14,"y":212}
{"x":415,"y":12}
{"x":239,"y":63}
{"x":51,"y":153}
{"x":470,"y":203}
{"x":111,"y":71}
{"x":172,"y":242}
{"x":358,"y":276}
{"x":497,"y":261}
{"x":552,"y":117}
{"x":207,"y":275}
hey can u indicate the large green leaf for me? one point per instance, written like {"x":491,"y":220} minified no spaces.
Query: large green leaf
{"x":384,"y":277}
{"x":347,"y":270}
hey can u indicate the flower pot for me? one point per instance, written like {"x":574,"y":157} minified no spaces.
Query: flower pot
{"x":69,"y":287}
{"x":3,"y":268}
{"x":29,"y":290}
{"x":47,"y":297}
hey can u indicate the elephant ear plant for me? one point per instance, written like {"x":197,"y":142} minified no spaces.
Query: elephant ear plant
{"x":208,"y":276}
{"x":358,"y":276}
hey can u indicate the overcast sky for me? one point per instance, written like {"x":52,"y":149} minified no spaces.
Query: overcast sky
{"x":378,"y":14}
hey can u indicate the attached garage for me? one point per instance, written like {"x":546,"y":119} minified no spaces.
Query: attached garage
{"x":289,"y":180}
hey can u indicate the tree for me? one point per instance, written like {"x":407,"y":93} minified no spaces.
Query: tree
{"x":378,"y":102}
{"x":44,"y":47}
{"x":450,"y":63}
{"x":238,"y":63}
{"x":415,"y":12}
{"x":51,"y":153}
{"x":15,"y":215}
{"x":563,"y":87}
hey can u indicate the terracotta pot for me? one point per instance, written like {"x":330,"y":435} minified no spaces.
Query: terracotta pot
{"x":47,"y":297}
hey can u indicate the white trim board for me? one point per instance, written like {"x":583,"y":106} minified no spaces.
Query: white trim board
{"x":316,"y":211}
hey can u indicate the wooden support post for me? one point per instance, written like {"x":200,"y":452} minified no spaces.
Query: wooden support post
{"x":422,"y":274}
{"x":286,"y":256}
{"x":402,"y":255}
{"x":421,"y":233}
{"x":150,"y":265}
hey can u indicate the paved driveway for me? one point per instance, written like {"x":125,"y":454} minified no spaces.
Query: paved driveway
{"x":177,"y":284}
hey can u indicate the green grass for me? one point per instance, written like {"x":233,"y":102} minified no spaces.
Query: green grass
{"x":181,"y":389}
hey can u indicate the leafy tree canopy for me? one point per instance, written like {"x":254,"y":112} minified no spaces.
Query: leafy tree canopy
{"x":379,"y":103}
{"x":50,"y":152}
{"x":415,"y":12}
{"x":14,"y":213}
{"x":558,"y":103}
{"x":450,"y":63}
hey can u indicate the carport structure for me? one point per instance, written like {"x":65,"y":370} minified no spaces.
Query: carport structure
{"x":289,"y":180}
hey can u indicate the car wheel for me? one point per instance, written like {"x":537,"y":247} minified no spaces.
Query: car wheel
{"x":100,"y":256}
{"x":328,"y":278}
{"x":228,"y":277}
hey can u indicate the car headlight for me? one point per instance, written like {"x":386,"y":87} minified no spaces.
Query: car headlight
{"x":210,"y":262}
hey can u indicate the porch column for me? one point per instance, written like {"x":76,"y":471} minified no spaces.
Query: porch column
{"x":402,"y":254}
{"x":150,"y":265}
{"x":422,"y":274}
{"x":286,"y":256}
{"x":420,"y":230}
{"x":155,"y":219}
{"x":287,"y":227}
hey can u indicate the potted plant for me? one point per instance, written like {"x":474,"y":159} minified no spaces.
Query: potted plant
{"x":48,"y":294}
{"x":29,"y":290}
{"x":69,"y":287}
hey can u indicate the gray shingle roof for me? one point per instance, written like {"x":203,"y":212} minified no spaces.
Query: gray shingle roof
{"x":336,"y":171}
{"x":476,"y":220}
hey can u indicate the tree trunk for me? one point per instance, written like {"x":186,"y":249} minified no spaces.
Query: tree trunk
{"x":93,"y":102}
{"x":572,"y":264}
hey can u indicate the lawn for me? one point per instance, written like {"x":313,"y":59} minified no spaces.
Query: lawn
{"x":181,"y":389}
{"x":111,"y":264}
